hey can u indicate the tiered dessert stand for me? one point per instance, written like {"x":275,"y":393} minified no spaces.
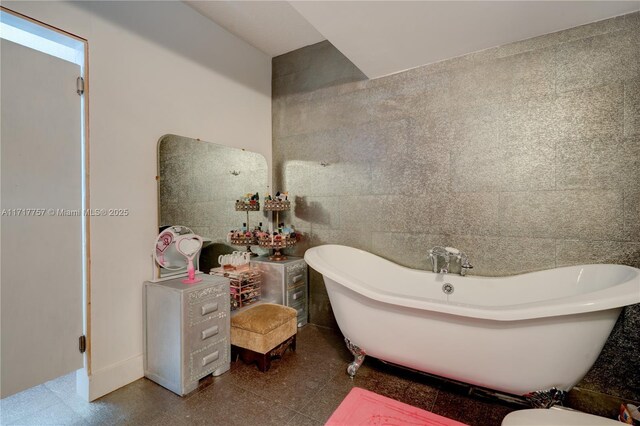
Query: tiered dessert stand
{"x":244,"y":240}
{"x":277,"y":242}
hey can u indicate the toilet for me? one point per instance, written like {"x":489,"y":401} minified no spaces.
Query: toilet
{"x":555,"y":417}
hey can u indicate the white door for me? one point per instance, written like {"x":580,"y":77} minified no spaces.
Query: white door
{"x":41,"y":250}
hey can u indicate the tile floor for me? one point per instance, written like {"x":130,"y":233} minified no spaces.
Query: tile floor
{"x":301,"y":389}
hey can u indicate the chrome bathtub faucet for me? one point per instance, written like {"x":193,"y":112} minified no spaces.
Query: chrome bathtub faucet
{"x":446,"y":253}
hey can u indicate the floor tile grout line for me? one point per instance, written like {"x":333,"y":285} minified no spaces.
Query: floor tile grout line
{"x":312,"y":398}
{"x":268,"y":398}
{"x":435,"y":399}
{"x":298,"y":413}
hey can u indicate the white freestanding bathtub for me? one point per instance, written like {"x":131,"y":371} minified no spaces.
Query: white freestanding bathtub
{"x":534,"y":334}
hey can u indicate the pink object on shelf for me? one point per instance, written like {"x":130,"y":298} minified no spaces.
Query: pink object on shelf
{"x":189,"y":246}
{"x":362,"y":407}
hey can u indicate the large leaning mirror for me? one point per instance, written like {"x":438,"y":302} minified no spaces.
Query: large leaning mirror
{"x":198,"y":185}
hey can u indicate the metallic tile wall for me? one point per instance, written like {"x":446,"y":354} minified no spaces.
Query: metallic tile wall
{"x":525,"y":156}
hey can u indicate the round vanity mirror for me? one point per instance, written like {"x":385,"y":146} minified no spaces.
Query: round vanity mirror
{"x":166,"y":253}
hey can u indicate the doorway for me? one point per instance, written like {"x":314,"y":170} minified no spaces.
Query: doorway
{"x":44,"y":278}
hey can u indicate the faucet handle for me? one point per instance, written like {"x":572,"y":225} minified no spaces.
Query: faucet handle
{"x":465,"y":266}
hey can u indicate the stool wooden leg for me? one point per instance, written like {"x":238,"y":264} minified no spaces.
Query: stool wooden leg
{"x":264,"y":362}
{"x":293,"y":343}
{"x":235,"y":354}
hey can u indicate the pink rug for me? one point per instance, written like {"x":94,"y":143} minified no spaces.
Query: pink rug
{"x":362,"y":407}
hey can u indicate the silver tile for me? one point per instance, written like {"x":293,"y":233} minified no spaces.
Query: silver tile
{"x":514,"y":77}
{"x":413,"y":175}
{"x":320,"y":311}
{"x":314,"y":147}
{"x":374,"y":141}
{"x":367,"y":213}
{"x":358,"y":239}
{"x":530,"y":121}
{"x":632,"y":215}
{"x":428,"y":133}
{"x":406,"y":249}
{"x":591,"y":112}
{"x":500,"y":256}
{"x":575,"y":252}
{"x":632,"y":107}
{"x":591,"y":215}
{"x":565,"y":36}
{"x":319,"y":64}
{"x":596,"y":214}
{"x":595,"y":112}
{"x":598,"y":163}
{"x":312,"y":179}
{"x":316,"y":212}
{"x":603,"y":59}
{"x":461,"y":213}
{"x":503,"y":168}
{"x":411,"y":95}
{"x":632,"y":20}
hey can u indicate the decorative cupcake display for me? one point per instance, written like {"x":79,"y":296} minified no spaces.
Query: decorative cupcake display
{"x":279,"y":238}
{"x":248,"y":203}
{"x":282,"y":236}
{"x":279,"y":203}
{"x":245,"y":236}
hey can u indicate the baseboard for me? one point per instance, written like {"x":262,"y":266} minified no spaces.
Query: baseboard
{"x":112,"y":377}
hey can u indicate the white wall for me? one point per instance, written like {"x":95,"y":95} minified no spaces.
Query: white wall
{"x":154,"y":68}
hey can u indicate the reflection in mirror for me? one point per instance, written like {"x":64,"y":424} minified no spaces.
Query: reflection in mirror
{"x":198,"y":185}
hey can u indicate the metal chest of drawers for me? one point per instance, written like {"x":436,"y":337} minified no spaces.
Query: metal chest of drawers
{"x":186,"y":331}
{"x":285,"y":283}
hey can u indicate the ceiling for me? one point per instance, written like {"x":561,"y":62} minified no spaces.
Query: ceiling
{"x":274,"y":27}
{"x":385,"y":37}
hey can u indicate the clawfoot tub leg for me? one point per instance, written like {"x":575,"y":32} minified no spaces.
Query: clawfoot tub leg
{"x":358,"y":355}
{"x":545,"y":398}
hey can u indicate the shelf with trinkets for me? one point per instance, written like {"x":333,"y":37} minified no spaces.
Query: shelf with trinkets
{"x":245,"y":236}
{"x":244,"y":284}
{"x":282,"y":236}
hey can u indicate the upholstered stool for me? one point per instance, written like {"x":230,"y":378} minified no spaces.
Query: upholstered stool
{"x":263,"y":332}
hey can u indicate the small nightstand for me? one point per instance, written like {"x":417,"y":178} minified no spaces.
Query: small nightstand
{"x":285,"y":283}
{"x":186,"y":331}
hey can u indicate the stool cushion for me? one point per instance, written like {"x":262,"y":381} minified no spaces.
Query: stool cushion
{"x":263,"y":327}
{"x":264,"y":318}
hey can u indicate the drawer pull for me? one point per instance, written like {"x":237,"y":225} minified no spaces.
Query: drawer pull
{"x":298,"y":295}
{"x":209,"y":307}
{"x":211,"y":331}
{"x":210,"y":358}
{"x":297,"y":278}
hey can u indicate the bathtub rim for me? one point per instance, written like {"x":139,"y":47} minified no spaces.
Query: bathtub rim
{"x":616,"y":296}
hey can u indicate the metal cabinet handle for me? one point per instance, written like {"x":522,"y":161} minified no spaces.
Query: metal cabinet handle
{"x":209,"y":307}
{"x":297,"y":278}
{"x":297,"y":295}
{"x":211,"y":331}
{"x":210,"y":358}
